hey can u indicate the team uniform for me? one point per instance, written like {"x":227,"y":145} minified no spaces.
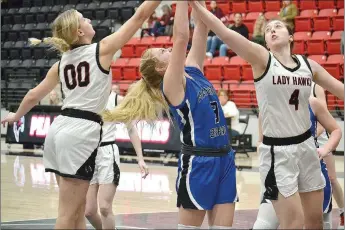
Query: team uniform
{"x":107,"y":169}
{"x":288,"y":158}
{"x":71,"y":145}
{"x":327,"y":191}
{"x":206,"y":167}
{"x":267,"y":217}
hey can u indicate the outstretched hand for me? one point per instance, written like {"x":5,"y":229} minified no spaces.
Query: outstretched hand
{"x":143,"y":168}
{"x":10,"y":119}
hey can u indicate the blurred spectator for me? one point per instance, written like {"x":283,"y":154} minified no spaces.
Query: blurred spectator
{"x":54,"y":98}
{"x":239,"y":27}
{"x":211,"y":35}
{"x":116,"y":88}
{"x":342,"y":43}
{"x":288,"y":13}
{"x":164,"y":26}
{"x":230,"y":111}
{"x":216,"y":10}
{"x":148,"y":25}
{"x":259,"y":29}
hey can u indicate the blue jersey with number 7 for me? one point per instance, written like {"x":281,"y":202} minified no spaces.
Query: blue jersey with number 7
{"x":200,"y":116}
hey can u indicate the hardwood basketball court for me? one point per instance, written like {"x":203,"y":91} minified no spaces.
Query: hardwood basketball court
{"x":29,"y":196}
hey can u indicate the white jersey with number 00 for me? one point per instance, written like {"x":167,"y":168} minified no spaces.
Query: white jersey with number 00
{"x":282,"y":94}
{"x":85,"y":84}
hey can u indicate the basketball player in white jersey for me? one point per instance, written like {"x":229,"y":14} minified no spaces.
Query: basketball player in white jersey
{"x":323,"y":136}
{"x":267,"y":218}
{"x":74,"y":136}
{"x":289,"y":166}
{"x":107,"y":172}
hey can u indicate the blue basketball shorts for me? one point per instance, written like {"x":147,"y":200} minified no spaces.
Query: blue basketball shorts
{"x":327,"y":191}
{"x":204,"y":181}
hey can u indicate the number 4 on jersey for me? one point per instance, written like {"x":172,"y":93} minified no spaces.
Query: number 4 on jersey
{"x":294,"y":99}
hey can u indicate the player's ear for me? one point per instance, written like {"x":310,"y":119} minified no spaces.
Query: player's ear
{"x":80,"y":33}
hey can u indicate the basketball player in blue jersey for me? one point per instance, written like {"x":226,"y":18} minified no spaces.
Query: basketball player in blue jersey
{"x":206,"y":181}
{"x":71,"y":145}
{"x":267,"y":218}
{"x":338,"y":194}
{"x":289,"y":167}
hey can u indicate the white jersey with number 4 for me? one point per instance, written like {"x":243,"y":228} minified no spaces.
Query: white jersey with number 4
{"x":283,"y":98}
{"x":85,"y":85}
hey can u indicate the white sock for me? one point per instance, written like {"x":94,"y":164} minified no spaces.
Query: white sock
{"x":341,"y":210}
{"x":327,"y":220}
{"x":181,"y":226}
{"x":267,"y":218}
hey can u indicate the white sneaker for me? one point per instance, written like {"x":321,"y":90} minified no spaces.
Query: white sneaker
{"x":209,"y":55}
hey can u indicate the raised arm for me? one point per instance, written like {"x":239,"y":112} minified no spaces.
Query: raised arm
{"x":253,"y":53}
{"x":112,"y":43}
{"x":174,"y":79}
{"x":35,"y":95}
{"x":330,"y":124}
{"x":196,"y":54}
{"x":326,"y":81}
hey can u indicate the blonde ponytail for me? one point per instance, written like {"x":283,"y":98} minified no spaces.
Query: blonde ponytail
{"x":55,"y":43}
{"x":141,"y":103}
{"x":64,"y":30}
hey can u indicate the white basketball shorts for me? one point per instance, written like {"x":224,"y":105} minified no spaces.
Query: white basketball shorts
{"x":107,"y":169}
{"x":70,"y":148}
{"x":288,"y":165}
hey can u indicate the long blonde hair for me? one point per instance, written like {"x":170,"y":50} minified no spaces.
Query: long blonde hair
{"x":64,"y":30}
{"x":144,"y":99}
{"x":259,"y":26}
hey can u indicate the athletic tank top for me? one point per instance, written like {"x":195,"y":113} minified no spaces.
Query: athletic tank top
{"x":313,"y":130}
{"x":85,"y":85}
{"x":323,"y":138}
{"x":200,"y":116}
{"x":109,"y":128}
{"x":282,"y":94}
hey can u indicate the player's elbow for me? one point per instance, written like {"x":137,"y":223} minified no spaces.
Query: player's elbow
{"x":32,"y":96}
{"x":338,"y":133}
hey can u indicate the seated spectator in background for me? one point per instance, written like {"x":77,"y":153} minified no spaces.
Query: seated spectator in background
{"x":259,"y":30}
{"x":288,"y":13}
{"x":230,"y":111}
{"x":163,"y":27}
{"x":219,"y":14}
{"x":238,"y":26}
{"x":216,"y":10}
{"x":116,"y":89}
{"x":54,"y":99}
{"x":148,"y":25}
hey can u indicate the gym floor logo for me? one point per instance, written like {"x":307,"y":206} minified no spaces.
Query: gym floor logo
{"x":18,"y":127}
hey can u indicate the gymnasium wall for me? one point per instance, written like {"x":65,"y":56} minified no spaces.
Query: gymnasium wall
{"x":252,"y":129}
